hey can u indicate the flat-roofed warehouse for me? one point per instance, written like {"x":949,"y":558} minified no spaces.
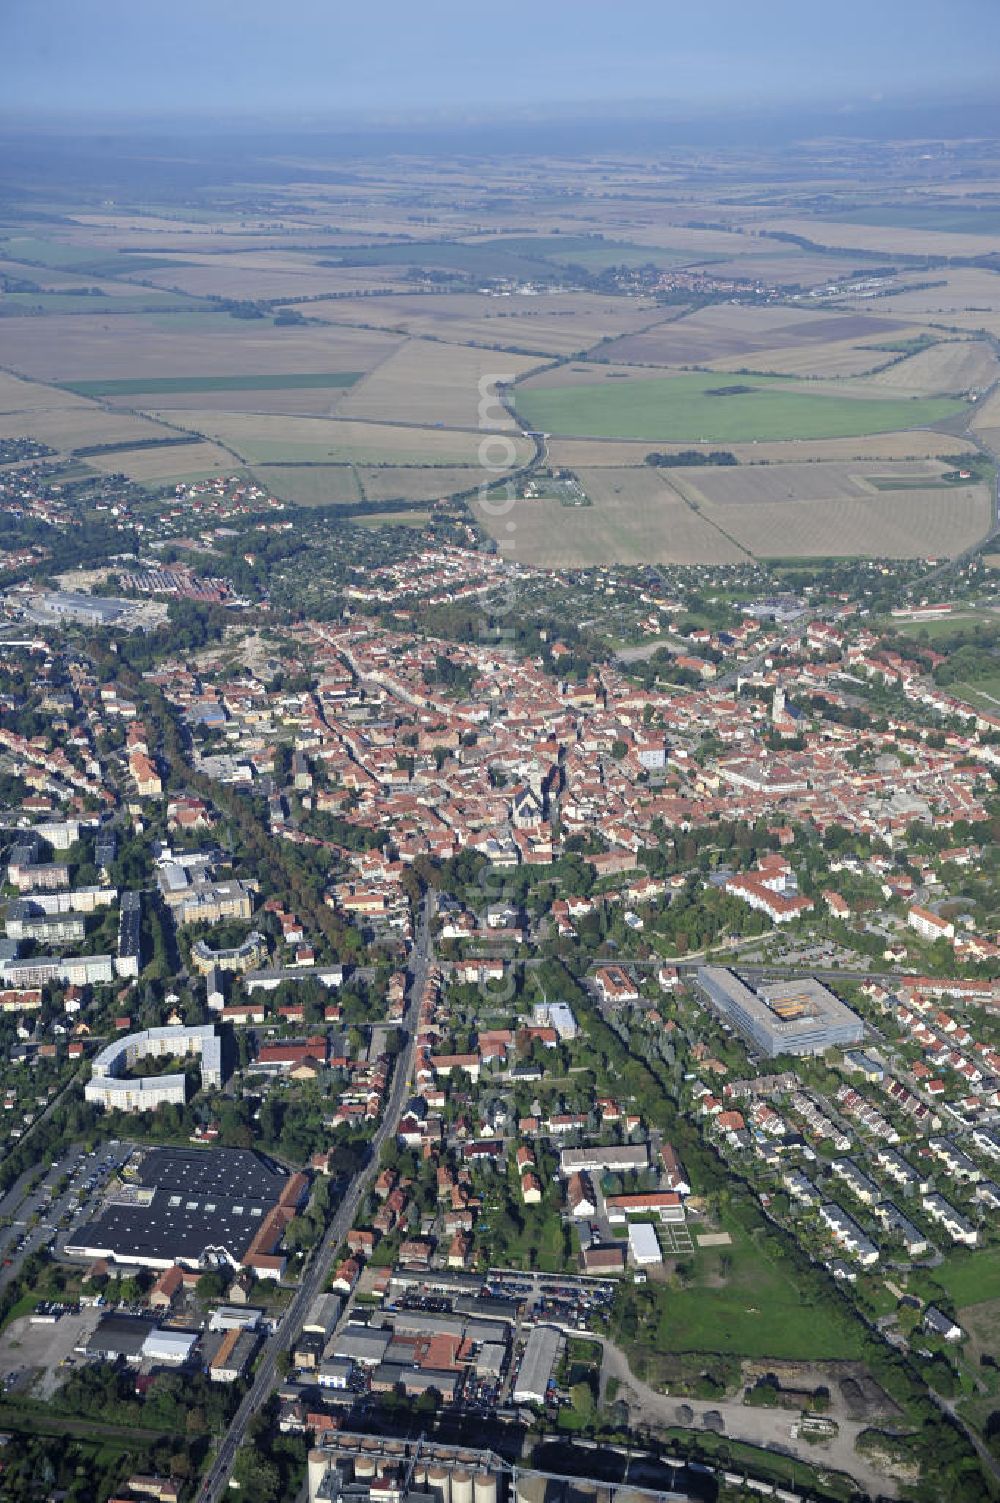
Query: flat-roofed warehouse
{"x":782,"y":1017}
{"x":537,"y":1365}
{"x":597,"y":1160}
{"x":201,"y":1207}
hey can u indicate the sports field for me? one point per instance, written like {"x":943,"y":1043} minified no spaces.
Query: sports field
{"x":707,"y":409}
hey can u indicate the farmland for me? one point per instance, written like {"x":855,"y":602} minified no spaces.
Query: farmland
{"x":698,"y":407}
{"x":158,"y":386}
{"x":335,"y":342}
{"x":266,"y":437}
{"x":724,"y":514}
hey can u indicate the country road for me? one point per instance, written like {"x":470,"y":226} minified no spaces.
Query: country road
{"x":319,"y":1266}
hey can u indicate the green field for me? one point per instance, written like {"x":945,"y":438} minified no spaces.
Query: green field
{"x":415,"y":518}
{"x":944,"y":626}
{"x":312,"y":485}
{"x":164,"y":385}
{"x":946,"y":218}
{"x":506,"y":256}
{"x":29,"y":304}
{"x":984,"y":694}
{"x":678,"y":409}
{"x":970,"y":1278}
{"x":753,"y":1310}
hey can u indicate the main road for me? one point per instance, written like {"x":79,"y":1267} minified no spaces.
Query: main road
{"x":318,"y":1269}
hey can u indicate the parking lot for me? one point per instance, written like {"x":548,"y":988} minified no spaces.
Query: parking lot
{"x":32,"y":1356}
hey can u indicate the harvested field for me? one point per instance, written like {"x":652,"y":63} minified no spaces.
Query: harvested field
{"x":634,"y":518}
{"x":129,"y":348}
{"x":746,"y":485}
{"x":64,"y":420}
{"x":267,"y":437}
{"x":889,"y":524}
{"x":711,"y":409}
{"x":951,"y":368}
{"x":814,"y":360}
{"x":277,"y":273}
{"x":311,"y":485}
{"x":557,"y":324}
{"x":416,"y":483}
{"x":723,"y":331}
{"x":172,"y":462}
{"x":881,"y":240}
{"x":986,"y":415}
{"x":939,"y":295}
{"x":589,"y":374}
{"x":434,"y":383}
{"x":920,"y":443}
{"x":297,"y":401}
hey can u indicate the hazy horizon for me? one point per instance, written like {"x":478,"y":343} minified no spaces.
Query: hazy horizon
{"x":247,"y":60}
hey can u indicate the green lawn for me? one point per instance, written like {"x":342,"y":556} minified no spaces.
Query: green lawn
{"x":169,"y":384}
{"x":754,"y":1310}
{"x":984,"y":694}
{"x":970,"y":1278}
{"x":682,"y":408}
{"x":942,"y":626}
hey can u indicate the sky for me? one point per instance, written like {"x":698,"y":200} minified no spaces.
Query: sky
{"x":390,"y":57}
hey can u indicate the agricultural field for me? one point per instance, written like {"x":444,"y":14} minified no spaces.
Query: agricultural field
{"x":159,"y":386}
{"x":840,"y":358}
{"x":701,"y":408}
{"x":416,"y":483}
{"x":717,"y":333}
{"x":964,"y":298}
{"x":311,"y":484}
{"x":634,"y":517}
{"x":880,"y":240}
{"x":578,"y":297}
{"x":745,"y":485}
{"x":261,"y":438}
{"x":171,"y":462}
{"x":560,"y":323}
{"x":724,"y":514}
{"x":949,"y":368}
{"x":434,"y":384}
{"x":138,"y":349}
{"x":64,"y":420}
{"x":919,"y":443}
{"x":934,"y":523}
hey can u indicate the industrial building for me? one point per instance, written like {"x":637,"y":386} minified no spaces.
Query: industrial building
{"x":82,"y":610}
{"x":541,"y":1352}
{"x":643,"y":1246}
{"x":597,"y":1160}
{"x":782,"y":1017}
{"x":199,"y":1207}
{"x":351,"y":1468}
